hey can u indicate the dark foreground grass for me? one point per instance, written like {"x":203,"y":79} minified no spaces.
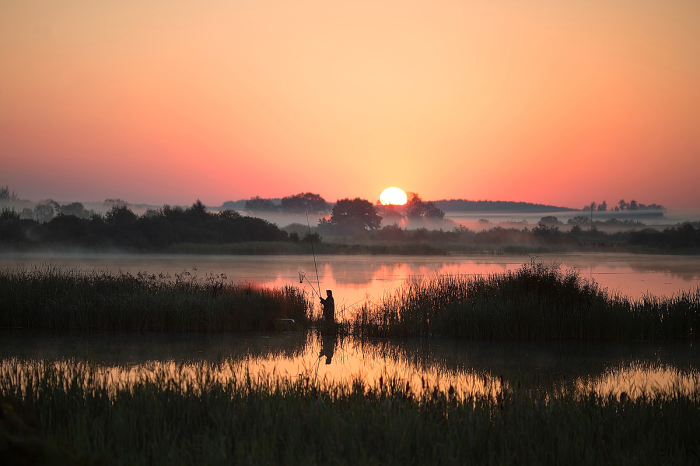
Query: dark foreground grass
{"x":55,"y":298}
{"x":71,"y":416}
{"x":536,"y":302}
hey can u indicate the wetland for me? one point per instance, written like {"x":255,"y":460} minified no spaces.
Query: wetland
{"x":223,"y":383}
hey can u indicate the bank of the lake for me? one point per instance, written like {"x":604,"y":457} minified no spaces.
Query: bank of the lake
{"x":350,"y":247}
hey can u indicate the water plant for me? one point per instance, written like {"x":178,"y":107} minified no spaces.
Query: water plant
{"x":57,"y":298}
{"x":535,"y":302}
{"x":268,"y":420}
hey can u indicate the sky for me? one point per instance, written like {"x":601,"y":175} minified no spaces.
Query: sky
{"x":559,"y":102}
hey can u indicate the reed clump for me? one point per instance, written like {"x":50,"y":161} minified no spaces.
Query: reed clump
{"x":535,"y":302}
{"x":268,"y":420}
{"x":71,"y":299}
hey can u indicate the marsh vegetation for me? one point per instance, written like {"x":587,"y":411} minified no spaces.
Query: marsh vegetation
{"x":66,"y":412}
{"x":536,"y":302}
{"x":68,"y":299}
{"x":225,"y":409}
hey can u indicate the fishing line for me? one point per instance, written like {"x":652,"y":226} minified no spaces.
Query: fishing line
{"x":344,"y":309}
{"x":302,"y":277}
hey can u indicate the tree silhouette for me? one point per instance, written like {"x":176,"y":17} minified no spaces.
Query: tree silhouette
{"x":550,"y":220}
{"x":198,"y":212}
{"x":6,"y":194}
{"x":433,"y":212}
{"x":120,"y":215}
{"x":304,"y":202}
{"x":416,"y":209}
{"x":77,"y":209}
{"x":351,"y":216}
{"x":414,"y":206}
{"x":229,"y":215}
{"x":43,"y":213}
{"x":258,"y":204}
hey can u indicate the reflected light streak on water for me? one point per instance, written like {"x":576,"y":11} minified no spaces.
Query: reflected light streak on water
{"x":327,"y":361}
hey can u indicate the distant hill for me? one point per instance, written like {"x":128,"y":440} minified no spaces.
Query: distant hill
{"x":463,"y":205}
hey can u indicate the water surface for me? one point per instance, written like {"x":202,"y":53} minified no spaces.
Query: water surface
{"x":355,"y":279}
{"x":470,"y":367}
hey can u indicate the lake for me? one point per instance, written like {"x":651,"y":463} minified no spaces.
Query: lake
{"x":469,"y":366}
{"x":355,"y":279}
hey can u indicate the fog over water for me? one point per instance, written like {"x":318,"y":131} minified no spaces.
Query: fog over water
{"x":519,"y":220}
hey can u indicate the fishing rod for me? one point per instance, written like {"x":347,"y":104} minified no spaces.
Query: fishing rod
{"x":311,"y":240}
{"x":302,"y":277}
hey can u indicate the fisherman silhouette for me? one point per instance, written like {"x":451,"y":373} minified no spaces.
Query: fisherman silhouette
{"x":328,"y":307}
{"x":328,"y":340}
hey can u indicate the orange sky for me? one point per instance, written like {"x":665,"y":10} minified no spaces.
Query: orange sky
{"x":550,"y":101}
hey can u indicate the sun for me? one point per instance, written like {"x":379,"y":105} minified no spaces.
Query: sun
{"x":393,"y":196}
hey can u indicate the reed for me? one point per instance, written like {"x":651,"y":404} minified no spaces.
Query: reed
{"x":56,"y":298}
{"x":67,"y":413}
{"x":536,"y":302}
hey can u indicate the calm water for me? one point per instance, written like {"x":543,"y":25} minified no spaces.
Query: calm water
{"x":354,"y":279}
{"x":471,"y":367}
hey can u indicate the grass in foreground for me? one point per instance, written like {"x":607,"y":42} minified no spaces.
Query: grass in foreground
{"x":536,"y":302}
{"x":55,"y":298}
{"x":71,"y":416}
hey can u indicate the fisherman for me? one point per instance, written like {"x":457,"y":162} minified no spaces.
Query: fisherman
{"x":328,"y":307}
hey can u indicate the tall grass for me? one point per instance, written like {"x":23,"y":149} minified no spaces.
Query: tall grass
{"x":536,"y":302}
{"x":56,"y":298}
{"x":69,"y":415}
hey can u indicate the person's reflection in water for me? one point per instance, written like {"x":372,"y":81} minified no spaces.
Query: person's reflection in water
{"x":328,"y":340}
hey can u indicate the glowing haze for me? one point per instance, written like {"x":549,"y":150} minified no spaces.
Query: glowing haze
{"x":168,"y":101}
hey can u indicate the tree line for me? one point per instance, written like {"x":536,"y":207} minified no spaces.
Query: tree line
{"x":5,"y":193}
{"x":295,"y":204}
{"x":463,"y":205}
{"x":160,"y":228}
{"x":680,"y":237}
{"x":622,"y":205}
{"x":156,"y":229}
